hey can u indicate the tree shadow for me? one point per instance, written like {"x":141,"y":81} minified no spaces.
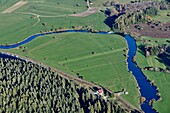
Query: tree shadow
{"x":109,"y":21}
{"x":141,"y":49}
{"x":164,"y":58}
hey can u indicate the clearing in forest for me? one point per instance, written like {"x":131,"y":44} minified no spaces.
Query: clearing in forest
{"x":14,"y":7}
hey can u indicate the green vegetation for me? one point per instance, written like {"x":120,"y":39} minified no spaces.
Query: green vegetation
{"x":162,"y":16}
{"x":28,"y":21}
{"x":25,"y":26}
{"x":4,"y":4}
{"x":125,"y":20}
{"x":53,"y":7}
{"x":160,"y":79}
{"x":151,"y":61}
{"x":97,"y":58}
{"x":27,"y":87}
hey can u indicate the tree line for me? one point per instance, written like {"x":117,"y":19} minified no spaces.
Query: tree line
{"x":161,"y":51}
{"x":123,"y":21}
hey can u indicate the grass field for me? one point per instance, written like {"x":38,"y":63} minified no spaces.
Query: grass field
{"x":28,"y":19}
{"x":152,"y":60}
{"x":72,"y":53}
{"x":162,"y":16}
{"x":23,"y":26}
{"x":4,"y":4}
{"x":53,"y":7}
{"x":161,"y":80}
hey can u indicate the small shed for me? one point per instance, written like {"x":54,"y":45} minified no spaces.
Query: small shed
{"x":100,"y":91}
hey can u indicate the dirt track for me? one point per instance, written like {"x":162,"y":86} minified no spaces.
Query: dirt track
{"x":14,"y":7}
{"x":86,"y":13}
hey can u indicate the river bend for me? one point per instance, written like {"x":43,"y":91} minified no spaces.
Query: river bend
{"x":146,"y":89}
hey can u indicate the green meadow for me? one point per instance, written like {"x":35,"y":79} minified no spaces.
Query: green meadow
{"x":152,"y":60}
{"x":161,"y":80}
{"x":98,"y":58}
{"x":41,"y":16}
{"x":53,"y":7}
{"x":23,"y":26}
{"x":4,"y":4}
{"x":162,"y":16}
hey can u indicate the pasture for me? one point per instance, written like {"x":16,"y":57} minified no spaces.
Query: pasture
{"x":69,"y":52}
{"x":41,"y":16}
{"x":4,"y":4}
{"x":98,"y":58}
{"x":161,"y":79}
{"x":152,"y":60}
{"x":162,"y":16}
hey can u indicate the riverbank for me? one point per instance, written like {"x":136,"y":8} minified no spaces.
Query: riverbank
{"x":132,"y":49}
{"x":76,"y":58}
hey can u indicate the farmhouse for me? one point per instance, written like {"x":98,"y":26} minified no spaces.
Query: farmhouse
{"x":100,"y":91}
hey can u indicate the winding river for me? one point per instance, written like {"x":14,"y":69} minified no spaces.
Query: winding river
{"x":146,"y":89}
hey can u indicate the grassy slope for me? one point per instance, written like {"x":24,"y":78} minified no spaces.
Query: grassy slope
{"x":162,"y":16}
{"x":105,"y":62}
{"x":152,"y":60}
{"x":21,"y":26}
{"x":16,"y":29}
{"x":106,"y":66}
{"x":4,"y":4}
{"x":53,"y":7}
{"x":161,"y":80}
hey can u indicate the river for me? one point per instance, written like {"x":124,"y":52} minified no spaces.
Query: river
{"x":146,"y":89}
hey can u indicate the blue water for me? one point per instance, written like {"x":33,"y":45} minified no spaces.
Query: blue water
{"x":146,"y":90}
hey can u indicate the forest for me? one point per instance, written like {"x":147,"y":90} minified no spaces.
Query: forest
{"x":28,"y":87}
{"x":136,"y":13}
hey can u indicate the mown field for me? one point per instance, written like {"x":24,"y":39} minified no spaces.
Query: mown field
{"x":4,"y":4}
{"x":161,"y":80}
{"x":53,"y":7}
{"x":36,"y":16}
{"x":152,"y":60}
{"x":162,"y":16}
{"x":73,"y":53}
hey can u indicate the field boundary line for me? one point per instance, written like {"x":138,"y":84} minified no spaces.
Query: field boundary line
{"x":91,"y":56}
{"x":15,"y":6}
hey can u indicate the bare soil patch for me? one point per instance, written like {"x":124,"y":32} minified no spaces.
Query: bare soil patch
{"x":152,"y":30}
{"x":86,"y":13}
{"x":14,"y":7}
